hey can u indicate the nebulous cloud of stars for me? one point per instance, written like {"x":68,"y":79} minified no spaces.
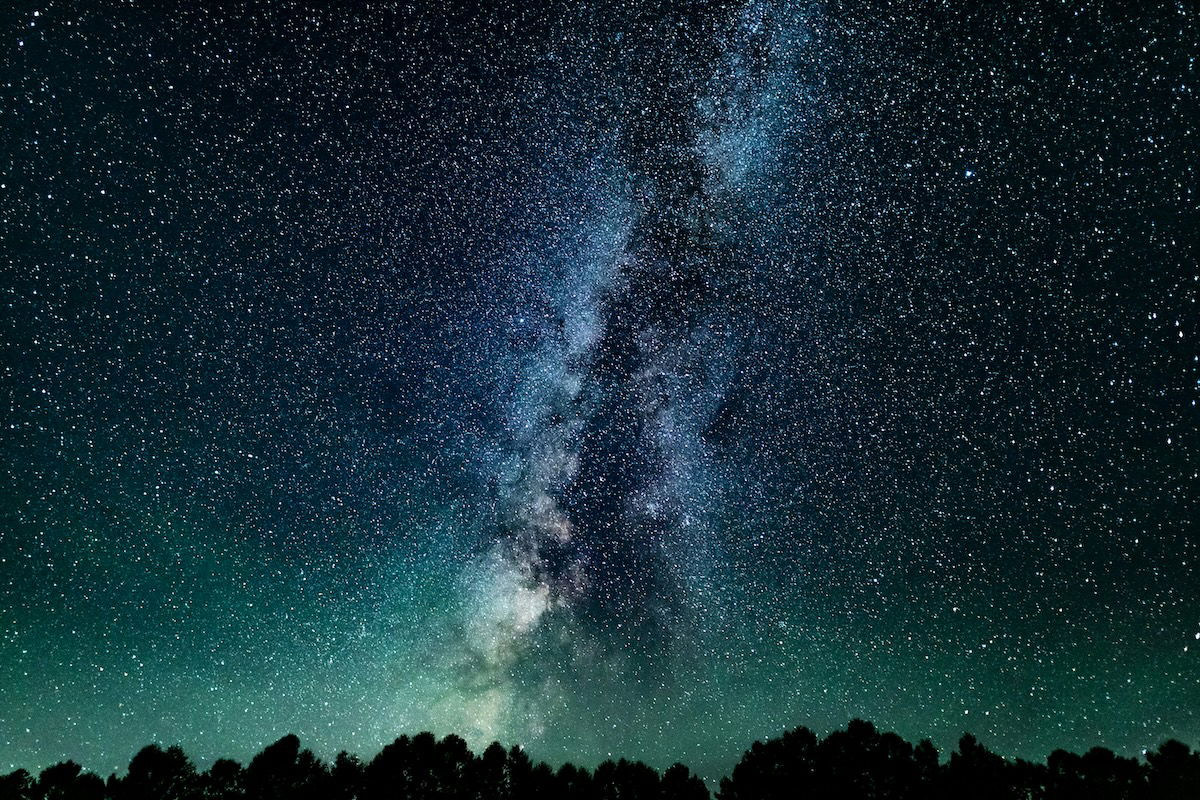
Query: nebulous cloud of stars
{"x":637,"y":378}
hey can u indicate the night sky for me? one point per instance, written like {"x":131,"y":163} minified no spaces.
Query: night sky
{"x":614,"y":379}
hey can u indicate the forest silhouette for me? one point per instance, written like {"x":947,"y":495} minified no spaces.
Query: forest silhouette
{"x":858,"y":762}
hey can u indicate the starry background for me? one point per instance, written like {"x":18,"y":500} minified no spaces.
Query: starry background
{"x":634,"y":378}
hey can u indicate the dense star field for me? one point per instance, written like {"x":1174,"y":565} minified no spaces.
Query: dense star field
{"x":612,"y":379}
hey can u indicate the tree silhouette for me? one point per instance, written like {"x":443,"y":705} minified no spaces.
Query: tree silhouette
{"x":976,"y":772}
{"x":223,"y":781}
{"x":453,"y":768}
{"x":542,"y":783}
{"x":67,"y":781}
{"x":1174,"y":772}
{"x":346,"y":777}
{"x":925,"y":759}
{"x":491,"y":773}
{"x":16,"y":785}
{"x":678,"y":783}
{"x":773,"y":768}
{"x":862,"y":762}
{"x":157,"y":774}
{"x":858,"y":763}
{"x":518,"y":773}
{"x":387,"y":774}
{"x":283,"y":772}
{"x":624,"y":779}
{"x":1099,"y":774}
{"x":575,"y":783}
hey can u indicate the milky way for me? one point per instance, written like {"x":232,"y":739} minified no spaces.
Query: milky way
{"x":599,"y":514}
{"x":616,"y":379}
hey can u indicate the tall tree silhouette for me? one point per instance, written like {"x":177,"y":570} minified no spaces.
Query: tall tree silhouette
{"x":388,"y":774}
{"x":157,"y":774}
{"x":491,"y":773}
{"x":928,"y":770}
{"x":282,"y":771}
{"x":774,"y":768}
{"x":575,"y":782}
{"x":678,"y":783}
{"x":518,"y":773}
{"x":346,"y":777}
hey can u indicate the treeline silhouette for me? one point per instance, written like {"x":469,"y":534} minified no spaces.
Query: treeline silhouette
{"x":858,"y":762}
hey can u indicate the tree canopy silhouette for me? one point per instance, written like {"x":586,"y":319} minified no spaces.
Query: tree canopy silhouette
{"x":858,"y":763}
